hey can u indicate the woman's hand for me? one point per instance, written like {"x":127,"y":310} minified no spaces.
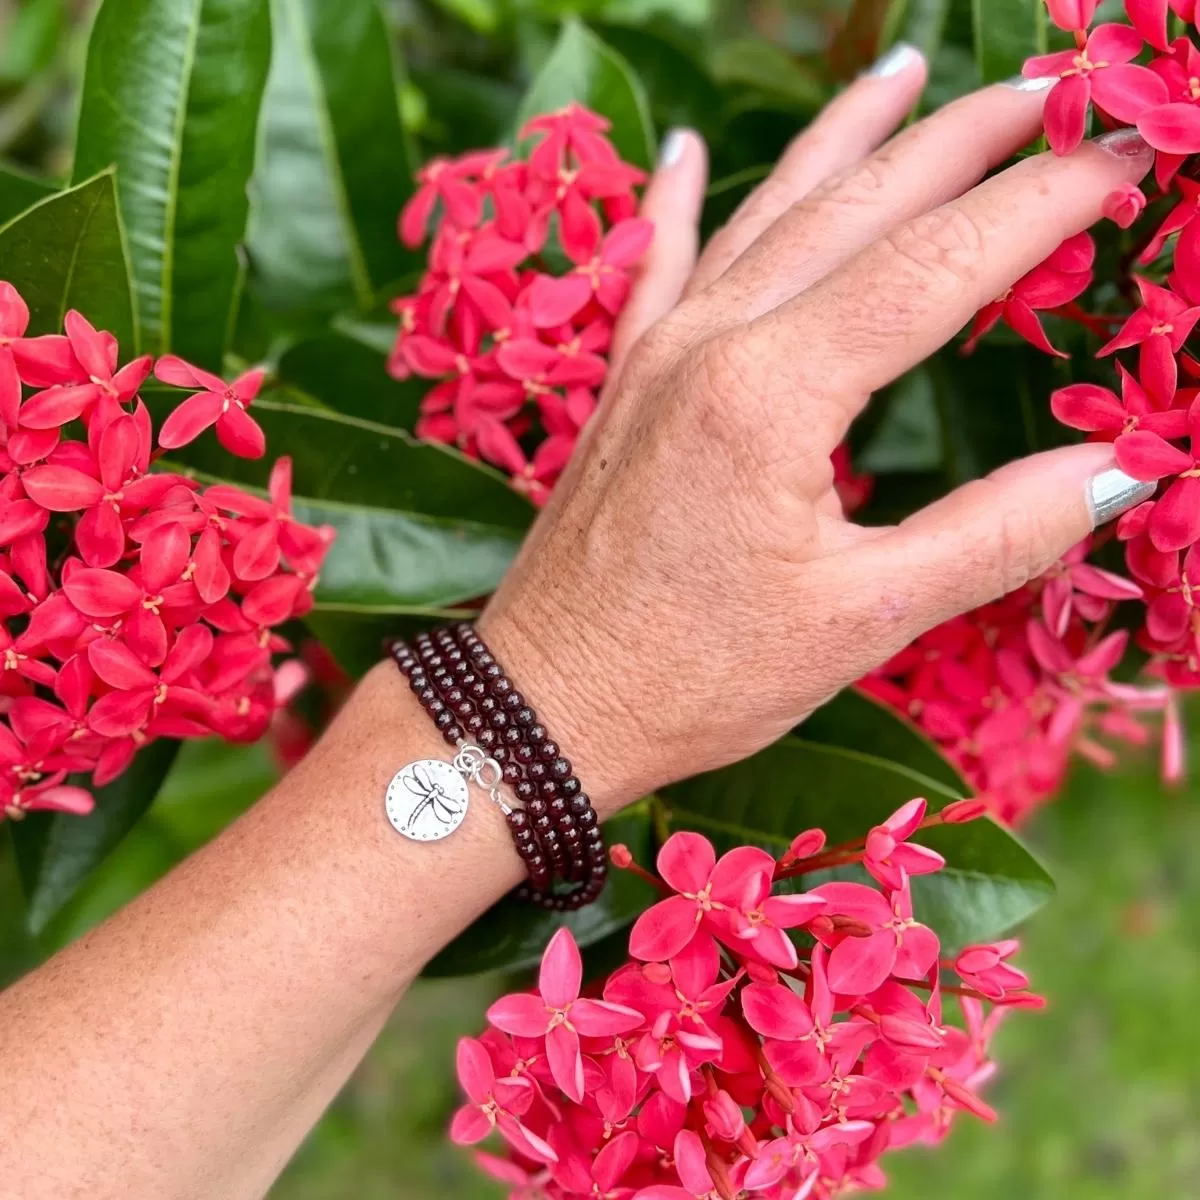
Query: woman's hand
{"x":694,"y":589}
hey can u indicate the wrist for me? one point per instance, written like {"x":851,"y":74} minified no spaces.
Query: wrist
{"x":577,"y":701}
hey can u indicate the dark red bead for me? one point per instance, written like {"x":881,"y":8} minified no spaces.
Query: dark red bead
{"x":571,"y":787}
{"x":548,"y":788}
{"x":526,"y":753}
{"x":560,"y":768}
{"x":580,"y":803}
{"x":444,"y":720}
{"x":548,"y":750}
{"x":587,"y":820}
{"x":525,"y":716}
{"x":512,"y":774}
{"x":513,"y":701}
{"x":537,"y":771}
{"x":536,"y":734}
{"x":475,"y":723}
{"x":512,"y":736}
{"x":525,"y":790}
{"x":488,"y":738}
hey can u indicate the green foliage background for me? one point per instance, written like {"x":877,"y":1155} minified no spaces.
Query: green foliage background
{"x":221,"y":178}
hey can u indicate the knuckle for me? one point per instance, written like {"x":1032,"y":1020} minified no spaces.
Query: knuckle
{"x":864,"y":186}
{"x":943,"y":247}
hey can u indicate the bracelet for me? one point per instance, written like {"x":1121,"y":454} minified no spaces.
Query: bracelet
{"x":478,"y":709}
{"x":550,"y":792}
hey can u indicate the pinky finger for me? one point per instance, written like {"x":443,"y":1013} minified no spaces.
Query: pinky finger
{"x":673,"y":202}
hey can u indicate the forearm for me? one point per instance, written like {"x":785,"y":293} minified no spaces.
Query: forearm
{"x":185,"y":1047}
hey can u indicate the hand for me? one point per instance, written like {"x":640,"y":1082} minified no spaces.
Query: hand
{"x":694,"y":590}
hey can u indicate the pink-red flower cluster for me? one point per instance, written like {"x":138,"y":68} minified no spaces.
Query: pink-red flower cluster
{"x":528,"y":268}
{"x":727,"y":1059}
{"x":1013,"y":690}
{"x":134,"y":603}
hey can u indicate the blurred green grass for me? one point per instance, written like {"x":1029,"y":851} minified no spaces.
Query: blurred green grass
{"x":1099,"y":1095}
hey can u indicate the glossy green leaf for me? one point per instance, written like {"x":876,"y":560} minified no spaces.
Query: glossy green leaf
{"x":171,"y":97}
{"x":512,"y":935}
{"x":989,"y":884}
{"x":20,"y":190}
{"x":795,"y":785}
{"x":67,"y":252}
{"x":56,"y":852}
{"x":1007,"y":32}
{"x":347,"y":374}
{"x":853,"y":720}
{"x":335,"y":166}
{"x":582,"y":68}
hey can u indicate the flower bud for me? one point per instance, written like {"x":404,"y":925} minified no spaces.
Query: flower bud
{"x":724,"y":1117}
{"x":1125,"y":205}
{"x":620,"y":857}
{"x":1072,"y":14}
{"x":962,"y":811}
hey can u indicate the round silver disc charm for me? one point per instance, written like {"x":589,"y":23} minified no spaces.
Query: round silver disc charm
{"x":427,"y":800}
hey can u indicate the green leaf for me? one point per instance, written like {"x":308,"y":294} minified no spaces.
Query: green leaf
{"x":67,"y":251}
{"x":584,"y":69}
{"x":853,"y":720}
{"x":680,"y":90}
{"x":56,"y":852}
{"x":908,"y":432}
{"x":171,"y":96}
{"x":990,"y":883}
{"x":921,"y":23}
{"x":20,"y":190}
{"x":795,"y":785}
{"x":29,"y":39}
{"x":335,"y":166}
{"x":511,"y":935}
{"x":754,"y":63}
{"x":347,"y":374}
{"x":1007,"y":32}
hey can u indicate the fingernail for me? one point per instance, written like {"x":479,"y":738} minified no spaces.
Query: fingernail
{"x":1112,"y":493}
{"x":671,"y":151}
{"x":899,"y":58}
{"x":1124,"y":143}
{"x":1018,"y":83}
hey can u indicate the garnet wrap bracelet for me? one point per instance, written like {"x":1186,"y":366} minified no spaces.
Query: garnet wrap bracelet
{"x":477,"y":708}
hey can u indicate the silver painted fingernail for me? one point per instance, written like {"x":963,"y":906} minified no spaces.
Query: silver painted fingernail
{"x":1124,"y":143}
{"x":671,"y":151}
{"x":1018,"y":83}
{"x":899,"y":58}
{"x":1112,"y":493}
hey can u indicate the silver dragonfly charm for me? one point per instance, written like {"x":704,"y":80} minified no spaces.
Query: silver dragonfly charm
{"x":427,"y":800}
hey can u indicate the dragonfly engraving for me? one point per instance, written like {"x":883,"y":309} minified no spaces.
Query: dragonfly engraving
{"x":432,"y":799}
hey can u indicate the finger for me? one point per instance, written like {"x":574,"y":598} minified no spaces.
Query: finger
{"x":929,"y":164}
{"x":906,"y":295}
{"x":672,"y":201}
{"x":988,"y":538}
{"x":850,"y":126}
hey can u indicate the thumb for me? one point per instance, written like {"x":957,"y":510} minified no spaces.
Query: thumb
{"x":992,"y":535}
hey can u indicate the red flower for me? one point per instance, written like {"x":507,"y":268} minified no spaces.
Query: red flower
{"x":1160,"y":328}
{"x":1063,"y":277}
{"x":559,"y":1015}
{"x":217,"y":403}
{"x":1100,"y":72}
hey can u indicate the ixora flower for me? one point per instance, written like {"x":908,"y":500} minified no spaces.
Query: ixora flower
{"x":705,"y":1073}
{"x":154,"y":617}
